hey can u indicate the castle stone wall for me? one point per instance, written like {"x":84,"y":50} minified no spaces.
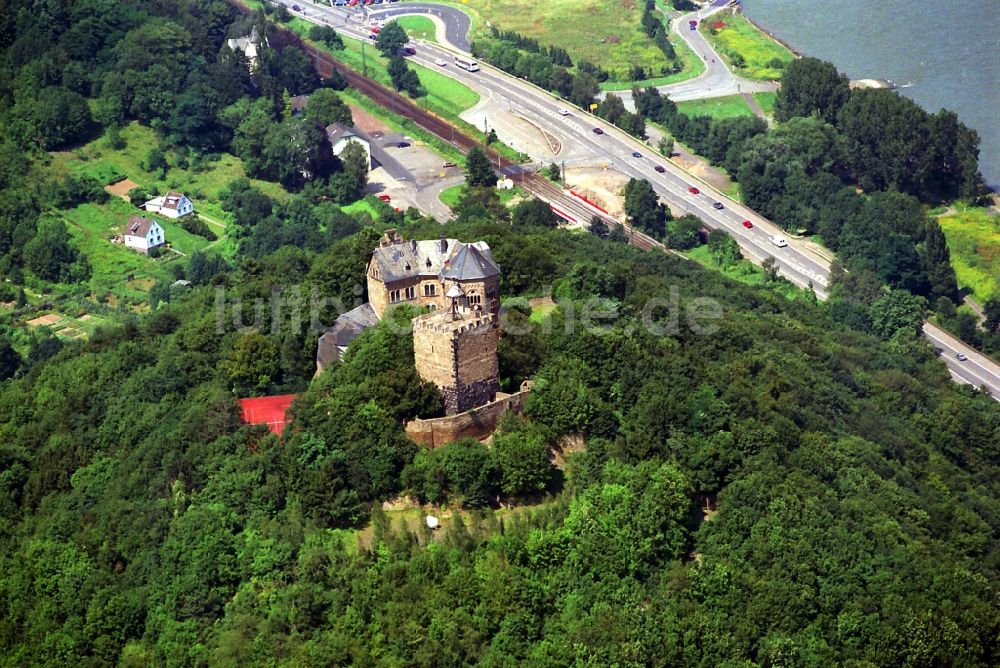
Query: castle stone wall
{"x":477,"y":423}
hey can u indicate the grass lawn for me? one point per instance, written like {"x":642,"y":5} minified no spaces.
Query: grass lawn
{"x":444,"y":93}
{"x":93,"y":225}
{"x":419,"y":27}
{"x":366,"y":205}
{"x":745,"y":272}
{"x":605,"y":33}
{"x":450,"y":196}
{"x":974,"y":241}
{"x":691,"y":66}
{"x":766,"y":101}
{"x":540,"y":312}
{"x":716,"y":107}
{"x":100,"y":161}
{"x":739,"y":37}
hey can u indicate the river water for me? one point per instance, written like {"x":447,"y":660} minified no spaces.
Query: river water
{"x":945,"y":52}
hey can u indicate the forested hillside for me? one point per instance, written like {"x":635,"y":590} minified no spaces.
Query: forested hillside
{"x":789,"y":484}
{"x":855,"y":487}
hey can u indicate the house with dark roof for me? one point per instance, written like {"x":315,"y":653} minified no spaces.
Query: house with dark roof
{"x":436,"y":274}
{"x":143,"y":234}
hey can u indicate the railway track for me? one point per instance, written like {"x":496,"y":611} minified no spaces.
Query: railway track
{"x":537,"y":185}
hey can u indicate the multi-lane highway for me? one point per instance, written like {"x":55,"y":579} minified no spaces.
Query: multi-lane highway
{"x":575,"y":131}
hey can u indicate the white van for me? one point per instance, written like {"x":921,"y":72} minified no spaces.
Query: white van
{"x":779,"y":240}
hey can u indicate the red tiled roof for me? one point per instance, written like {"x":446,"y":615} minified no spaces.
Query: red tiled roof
{"x":267,"y":410}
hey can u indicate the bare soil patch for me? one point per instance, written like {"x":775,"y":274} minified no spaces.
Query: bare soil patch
{"x":601,"y":186}
{"x":366,"y":122}
{"x":121,"y":188}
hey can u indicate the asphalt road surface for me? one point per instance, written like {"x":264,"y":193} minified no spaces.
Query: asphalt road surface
{"x":798,"y":264}
{"x":717,"y":80}
{"x":456,"y":22}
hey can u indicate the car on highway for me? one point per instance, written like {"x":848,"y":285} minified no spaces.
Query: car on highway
{"x":660,"y":169}
{"x":376,"y":30}
{"x":747,"y":224}
{"x":448,"y":164}
{"x":441,"y":62}
{"x":718,"y":206}
{"x":636,"y":154}
{"x":296,"y":8}
{"x":385,"y":198}
{"x":564,"y":112}
{"x":598,"y":131}
{"x":961,"y":357}
{"x":693,"y":190}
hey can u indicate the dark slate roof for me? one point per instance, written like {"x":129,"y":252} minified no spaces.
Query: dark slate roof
{"x":348,"y":327}
{"x":137,"y":226}
{"x":470,"y":263}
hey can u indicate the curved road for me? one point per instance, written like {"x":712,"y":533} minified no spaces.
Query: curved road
{"x":457,"y":23}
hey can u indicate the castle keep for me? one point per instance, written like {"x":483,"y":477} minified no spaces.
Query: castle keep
{"x":455,"y":345}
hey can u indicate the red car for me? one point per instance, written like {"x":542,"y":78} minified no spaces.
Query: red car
{"x":385,"y":198}
{"x":693,"y":190}
{"x":376,"y":29}
{"x":747,"y":224}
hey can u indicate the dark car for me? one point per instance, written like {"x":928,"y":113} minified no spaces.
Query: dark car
{"x":660,"y":168}
{"x":636,"y":154}
{"x":747,"y":224}
{"x":718,"y":205}
{"x":693,"y":190}
{"x":598,"y":131}
{"x":296,"y":8}
{"x":448,"y":164}
{"x":403,"y":144}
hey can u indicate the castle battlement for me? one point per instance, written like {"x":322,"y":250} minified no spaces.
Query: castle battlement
{"x":443,"y":322}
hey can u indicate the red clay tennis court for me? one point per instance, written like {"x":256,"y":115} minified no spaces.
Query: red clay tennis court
{"x":267,"y":410}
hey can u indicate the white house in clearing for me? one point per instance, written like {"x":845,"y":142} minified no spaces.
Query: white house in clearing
{"x":171,"y":205}
{"x":143,"y":234}
{"x":249,"y":46}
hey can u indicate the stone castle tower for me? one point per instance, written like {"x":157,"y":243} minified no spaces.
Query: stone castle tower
{"x":456,"y":349}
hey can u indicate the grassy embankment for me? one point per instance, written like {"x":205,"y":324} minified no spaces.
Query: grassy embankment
{"x":419,"y":27}
{"x":451,"y":196}
{"x":93,"y":225}
{"x":739,"y":41}
{"x":716,"y":107}
{"x":745,"y":272}
{"x":605,"y":33}
{"x":973,"y":236}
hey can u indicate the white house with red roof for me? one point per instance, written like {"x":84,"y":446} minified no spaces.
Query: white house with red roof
{"x":143,"y":234}
{"x":171,"y":205}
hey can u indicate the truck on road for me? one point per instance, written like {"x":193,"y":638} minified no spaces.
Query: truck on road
{"x":779,"y":240}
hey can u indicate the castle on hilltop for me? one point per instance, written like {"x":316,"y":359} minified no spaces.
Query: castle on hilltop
{"x":455,"y":345}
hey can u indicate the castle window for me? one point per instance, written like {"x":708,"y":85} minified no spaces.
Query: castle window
{"x":393,"y":296}
{"x":430,"y":290}
{"x":475,"y":299}
{"x":432,"y":307}
{"x":411,"y":292}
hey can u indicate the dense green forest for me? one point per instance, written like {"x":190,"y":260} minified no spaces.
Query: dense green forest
{"x":800,"y":485}
{"x":855,"y":487}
